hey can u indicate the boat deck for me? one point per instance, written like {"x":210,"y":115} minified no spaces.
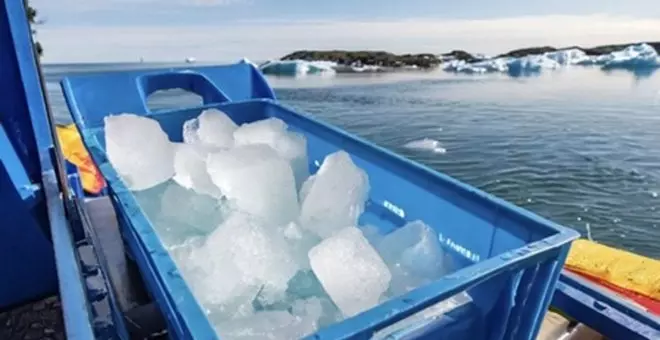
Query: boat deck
{"x":33,"y":321}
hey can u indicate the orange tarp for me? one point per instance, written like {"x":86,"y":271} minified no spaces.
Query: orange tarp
{"x":74,"y":151}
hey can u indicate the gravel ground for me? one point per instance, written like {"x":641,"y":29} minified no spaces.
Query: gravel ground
{"x":40,"y":320}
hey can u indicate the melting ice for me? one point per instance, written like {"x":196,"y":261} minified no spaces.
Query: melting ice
{"x":268,"y":250}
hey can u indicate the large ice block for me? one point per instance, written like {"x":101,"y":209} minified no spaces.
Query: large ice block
{"x":334,"y":197}
{"x":350,"y":270}
{"x":258,"y":181}
{"x":261,"y":254}
{"x":213,"y":128}
{"x":414,"y":256}
{"x":190,"y":168}
{"x":178,"y":214}
{"x":139,"y":150}
{"x":216,"y":281}
{"x":273,"y":132}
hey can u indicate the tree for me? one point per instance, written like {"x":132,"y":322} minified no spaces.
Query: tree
{"x":32,"y":19}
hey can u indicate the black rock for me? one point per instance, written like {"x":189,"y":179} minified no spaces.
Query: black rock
{"x":363,"y":58}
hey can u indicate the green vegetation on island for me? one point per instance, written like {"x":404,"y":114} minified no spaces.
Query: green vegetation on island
{"x":372,"y":58}
{"x":31,"y":13}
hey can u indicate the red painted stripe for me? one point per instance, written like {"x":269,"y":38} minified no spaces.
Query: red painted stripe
{"x":652,"y":305}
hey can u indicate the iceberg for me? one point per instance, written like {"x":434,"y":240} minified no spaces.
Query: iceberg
{"x":634,"y":57}
{"x":297,"y":67}
{"x":529,"y":65}
{"x":573,"y":56}
{"x":497,"y":65}
{"x":640,"y":56}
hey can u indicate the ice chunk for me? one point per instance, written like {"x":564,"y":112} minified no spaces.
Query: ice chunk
{"x":289,"y":145}
{"x":300,"y":242}
{"x":257,"y":180}
{"x":293,"y":147}
{"x":305,"y":286}
{"x":530,"y":65}
{"x":178,"y":213}
{"x":217,"y":283}
{"x":190,"y":169}
{"x":261,"y":254}
{"x":304,"y":188}
{"x":268,"y":325}
{"x":311,"y":308}
{"x":414,"y":256}
{"x":298,"y":67}
{"x":372,"y":234}
{"x":139,"y":150}
{"x":634,"y":57}
{"x":350,"y":270}
{"x":198,"y":211}
{"x":264,"y":131}
{"x":436,"y":312}
{"x":568,"y":57}
{"x":336,"y":197}
{"x":427,"y":144}
{"x":221,"y":287}
{"x":213,"y":127}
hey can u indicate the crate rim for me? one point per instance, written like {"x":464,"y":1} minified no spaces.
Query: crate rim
{"x":401,"y":306}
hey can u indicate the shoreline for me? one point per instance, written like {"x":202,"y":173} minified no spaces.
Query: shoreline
{"x":374,"y":58}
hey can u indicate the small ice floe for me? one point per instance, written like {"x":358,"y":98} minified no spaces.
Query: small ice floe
{"x":426,"y":144}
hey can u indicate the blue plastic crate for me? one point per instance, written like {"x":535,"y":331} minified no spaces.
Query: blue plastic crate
{"x":602,"y":309}
{"x":510,"y":258}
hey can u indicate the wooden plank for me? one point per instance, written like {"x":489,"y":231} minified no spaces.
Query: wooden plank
{"x":553,"y":327}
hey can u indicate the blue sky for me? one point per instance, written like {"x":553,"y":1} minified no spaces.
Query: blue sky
{"x":225,"y":30}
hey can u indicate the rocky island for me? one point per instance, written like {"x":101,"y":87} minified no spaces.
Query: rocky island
{"x":590,"y":51}
{"x":367,"y":58}
{"x":431,"y":60}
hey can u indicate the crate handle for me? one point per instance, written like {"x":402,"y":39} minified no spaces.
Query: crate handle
{"x":186,"y":80}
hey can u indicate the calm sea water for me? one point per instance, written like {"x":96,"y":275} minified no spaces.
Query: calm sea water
{"x":578,"y":146}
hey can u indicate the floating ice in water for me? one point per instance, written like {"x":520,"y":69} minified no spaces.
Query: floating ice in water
{"x":213,"y":128}
{"x":289,"y":145}
{"x":350,"y":270}
{"x":190,"y":169}
{"x":568,"y":57}
{"x":486,"y":66}
{"x":298,"y":67}
{"x":426,"y":144}
{"x":139,"y":150}
{"x":261,"y":254}
{"x":258,"y":182}
{"x":634,"y":57}
{"x":335,"y":196}
{"x":641,"y":56}
{"x":530,"y":65}
{"x":414,"y":257}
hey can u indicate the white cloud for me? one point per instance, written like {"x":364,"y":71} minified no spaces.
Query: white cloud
{"x":261,"y":40}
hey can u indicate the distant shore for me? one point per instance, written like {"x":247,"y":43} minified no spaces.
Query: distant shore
{"x":431,"y":60}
